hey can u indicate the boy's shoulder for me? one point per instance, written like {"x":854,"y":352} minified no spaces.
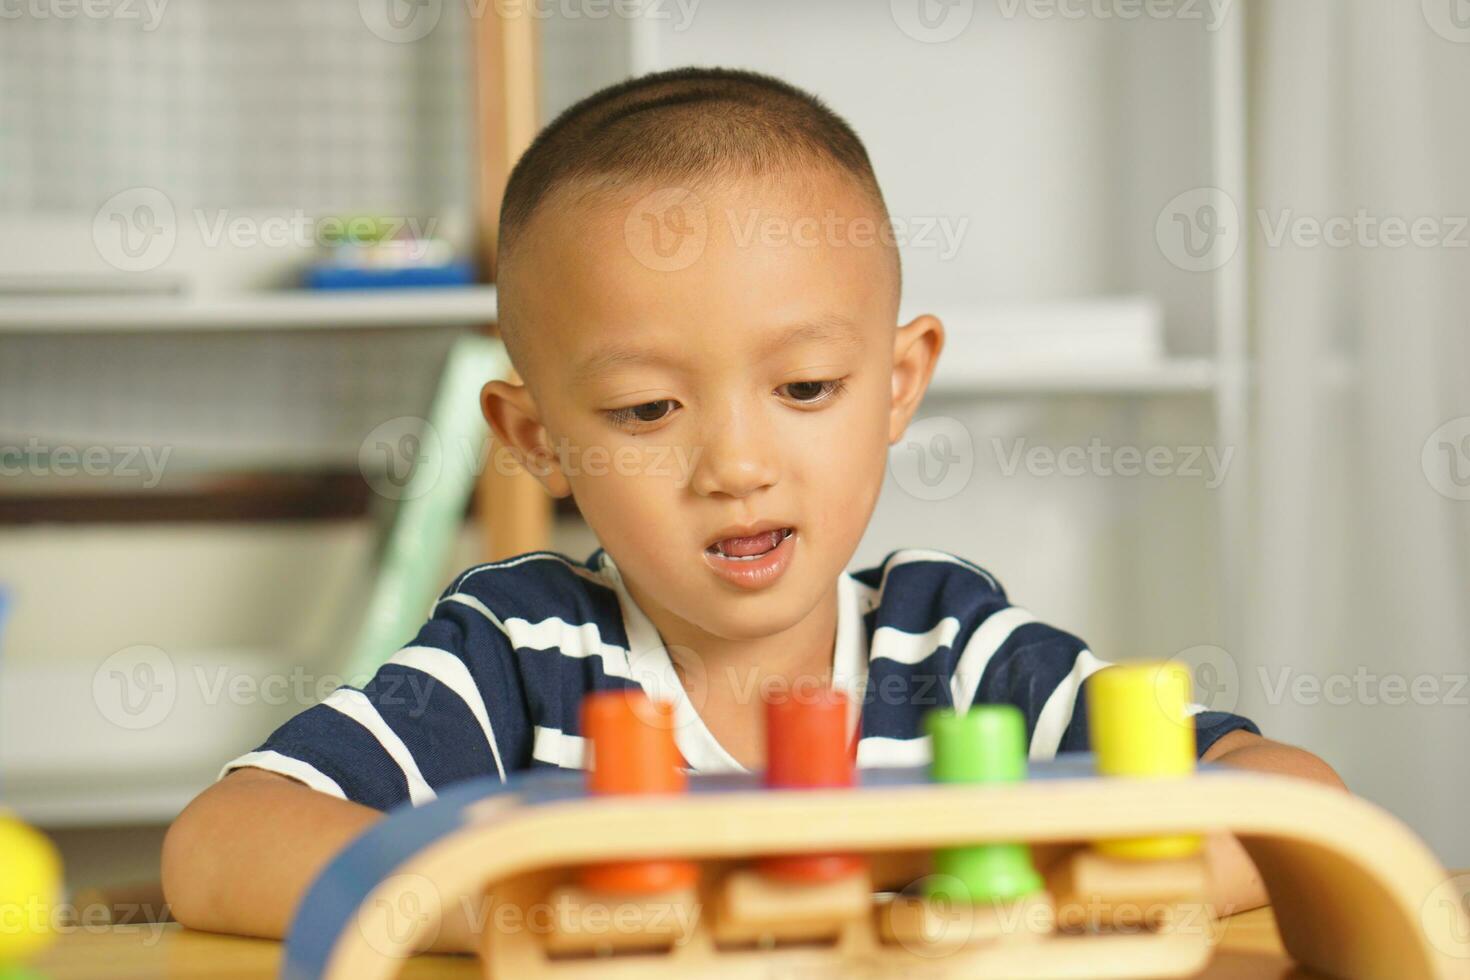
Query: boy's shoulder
{"x":910,"y":588}
{"x":930,"y":580}
{"x":537,"y":582}
{"x":937,"y":593}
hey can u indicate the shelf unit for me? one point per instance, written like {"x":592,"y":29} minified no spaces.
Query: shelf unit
{"x":1176,"y":376}
{"x":287,"y":309}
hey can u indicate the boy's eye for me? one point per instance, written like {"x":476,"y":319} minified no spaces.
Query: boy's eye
{"x":814,"y":391}
{"x":803,"y":392}
{"x":641,"y":414}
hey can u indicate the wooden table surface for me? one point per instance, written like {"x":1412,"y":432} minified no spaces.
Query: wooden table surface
{"x":1249,"y":949}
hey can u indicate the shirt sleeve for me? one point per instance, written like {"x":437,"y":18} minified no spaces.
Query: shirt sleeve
{"x":1044,"y":671}
{"x":449,"y":706}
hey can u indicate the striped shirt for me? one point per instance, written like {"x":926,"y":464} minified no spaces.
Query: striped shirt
{"x":493,"y":681}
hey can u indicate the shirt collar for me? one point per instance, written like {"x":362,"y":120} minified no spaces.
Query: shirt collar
{"x":650,"y":665}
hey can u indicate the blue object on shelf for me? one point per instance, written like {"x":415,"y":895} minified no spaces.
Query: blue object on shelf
{"x":460,"y":272}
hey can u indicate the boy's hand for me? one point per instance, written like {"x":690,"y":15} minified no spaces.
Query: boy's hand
{"x":243,"y":853}
{"x":1246,"y":750}
{"x":1237,"y":883}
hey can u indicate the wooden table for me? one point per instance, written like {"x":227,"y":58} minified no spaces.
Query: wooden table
{"x":1249,"y":950}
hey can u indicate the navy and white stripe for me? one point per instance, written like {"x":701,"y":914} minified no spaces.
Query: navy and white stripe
{"x":494,"y":679}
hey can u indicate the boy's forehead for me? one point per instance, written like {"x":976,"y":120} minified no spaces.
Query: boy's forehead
{"x":749,"y":263}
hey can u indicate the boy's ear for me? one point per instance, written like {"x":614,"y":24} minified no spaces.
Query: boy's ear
{"x":514,"y":418}
{"x":916,"y":347}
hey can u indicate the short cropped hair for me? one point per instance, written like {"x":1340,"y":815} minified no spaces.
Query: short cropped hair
{"x":683,"y":125}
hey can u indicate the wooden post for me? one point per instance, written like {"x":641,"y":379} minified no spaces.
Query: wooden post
{"x":515,"y":512}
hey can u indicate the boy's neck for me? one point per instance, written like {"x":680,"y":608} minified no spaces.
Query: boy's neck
{"x":736,"y":672}
{"x":730,"y":678}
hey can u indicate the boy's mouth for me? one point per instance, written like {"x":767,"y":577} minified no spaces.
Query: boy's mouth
{"x":750,"y":547}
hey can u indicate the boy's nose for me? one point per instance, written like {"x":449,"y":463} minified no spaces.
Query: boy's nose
{"x":738,"y":456}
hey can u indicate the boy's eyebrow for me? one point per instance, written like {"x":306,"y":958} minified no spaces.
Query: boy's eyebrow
{"x":831,"y":328}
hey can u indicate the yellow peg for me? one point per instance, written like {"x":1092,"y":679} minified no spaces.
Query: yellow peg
{"x":1140,"y":729}
{"x":30,"y":887}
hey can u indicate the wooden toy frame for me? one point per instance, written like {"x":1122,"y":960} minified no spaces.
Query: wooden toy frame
{"x":1350,"y":884}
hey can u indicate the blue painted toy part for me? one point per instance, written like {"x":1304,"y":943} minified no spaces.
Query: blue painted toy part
{"x":333,"y":899}
{"x":457,"y":273}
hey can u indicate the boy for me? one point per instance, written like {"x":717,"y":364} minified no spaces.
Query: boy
{"x":698,"y":288}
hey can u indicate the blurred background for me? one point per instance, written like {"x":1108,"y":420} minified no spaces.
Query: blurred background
{"x":1203,"y":266}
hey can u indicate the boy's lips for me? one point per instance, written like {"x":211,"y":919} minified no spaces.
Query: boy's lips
{"x":742,"y":540}
{"x":752,"y":561}
{"x":749,"y":546}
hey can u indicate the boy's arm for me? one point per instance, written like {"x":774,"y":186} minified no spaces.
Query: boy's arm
{"x":242,"y":854}
{"x":1237,"y":884}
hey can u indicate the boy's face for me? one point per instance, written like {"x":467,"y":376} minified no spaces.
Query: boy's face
{"x":761,"y":380}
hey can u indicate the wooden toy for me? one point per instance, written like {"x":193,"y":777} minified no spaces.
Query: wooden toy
{"x":974,"y":870}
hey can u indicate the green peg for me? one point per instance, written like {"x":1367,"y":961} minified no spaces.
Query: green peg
{"x":987,"y":744}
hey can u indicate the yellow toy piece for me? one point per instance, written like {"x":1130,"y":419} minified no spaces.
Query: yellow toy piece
{"x":1139,"y":725}
{"x":30,"y":887}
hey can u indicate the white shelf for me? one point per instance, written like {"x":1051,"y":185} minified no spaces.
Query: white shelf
{"x":287,"y":309}
{"x":1176,"y":376}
